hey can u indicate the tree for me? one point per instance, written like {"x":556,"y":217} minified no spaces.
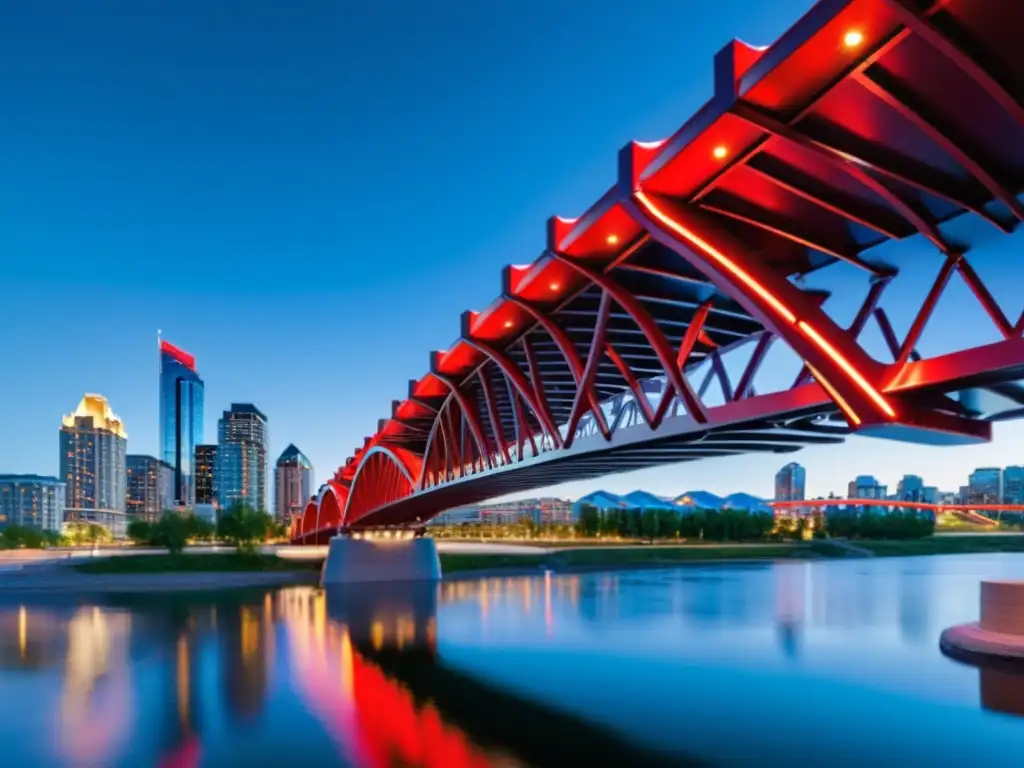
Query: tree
{"x":20,"y":536}
{"x":589,"y":523}
{"x":140,"y":531}
{"x":172,"y":532}
{"x":244,"y":527}
{"x":668,"y":523}
{"x":649,"y":524}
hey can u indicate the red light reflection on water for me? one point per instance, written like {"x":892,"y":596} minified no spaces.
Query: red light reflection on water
{"x":372,"y":718}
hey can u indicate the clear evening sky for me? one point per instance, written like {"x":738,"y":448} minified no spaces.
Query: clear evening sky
{"x":305,"y":194}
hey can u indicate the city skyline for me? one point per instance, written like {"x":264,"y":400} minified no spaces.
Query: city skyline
{"x":313,"y":200}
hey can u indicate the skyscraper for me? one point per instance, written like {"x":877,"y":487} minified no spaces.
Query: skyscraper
{"x":910,"y":488}
{"x":985,"y":486}
{"x":1013,"y":485}
{"x":150,"y":487}
{"x":293,"y":483}
{"x":92,"y":463}
{"x":206,"y":462}
{"x":790,"y":482}
{"x":241,"y":469}
{"x":866,"y":487}
{"x":31,"y":501}
{"x":181,"y":419}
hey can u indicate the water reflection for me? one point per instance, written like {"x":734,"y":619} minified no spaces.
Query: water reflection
{"x":627,"y":668}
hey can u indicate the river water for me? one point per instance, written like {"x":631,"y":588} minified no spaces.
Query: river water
{"x":824,"y":663}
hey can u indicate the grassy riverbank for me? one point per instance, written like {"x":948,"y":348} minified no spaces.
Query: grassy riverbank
{"x":634,"y":556}
{"x":946,"y":545}
{"x":220,"y":562}
{"x":624,"y":557}
{"x":585,"y":558}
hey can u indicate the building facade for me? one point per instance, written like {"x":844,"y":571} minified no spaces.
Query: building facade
{"x":791,"y":483}
{"x":93,"y":465}
{"x":985,"y":486}
{"x":540,"y":511}
{"x":205,"y":473}
{"x":293,"y":484}
{"x":32,"y":501}
{"x":866,"y":487}
{"x":910,"y":488}
{"x":241,"y":466}
{"x":1013,"y":485}
{"x":181,"y":419}
{"x":150,"y":487}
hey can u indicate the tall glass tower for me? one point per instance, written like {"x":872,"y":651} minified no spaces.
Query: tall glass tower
{"x":181,"y":419}
{"x":241,"y":464}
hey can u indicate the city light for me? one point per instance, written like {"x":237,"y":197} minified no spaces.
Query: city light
{"x":853,"y":38}
{"x":613,"y":239}
{"x":720,"y":152}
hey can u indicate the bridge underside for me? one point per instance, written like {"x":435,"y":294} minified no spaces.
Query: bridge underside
{"x":870,"y":124}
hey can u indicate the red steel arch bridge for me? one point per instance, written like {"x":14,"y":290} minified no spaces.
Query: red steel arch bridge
{"x":868,"y":125}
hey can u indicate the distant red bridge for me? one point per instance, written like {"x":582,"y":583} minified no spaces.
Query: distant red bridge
{"x":970,"y":512}
{"x":867,"y":123}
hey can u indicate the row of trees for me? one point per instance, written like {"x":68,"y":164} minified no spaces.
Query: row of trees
{"x":710,"y":524}
{"x":741,"y":525}
{"x":240,"y":525}
{"x":898,"y":524}
{"x":74,"y":534}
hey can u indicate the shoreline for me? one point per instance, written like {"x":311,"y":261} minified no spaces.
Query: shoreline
{"x":61,"y":577}
{"x":62,"y":581}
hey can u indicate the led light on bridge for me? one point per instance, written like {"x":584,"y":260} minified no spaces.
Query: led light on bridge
{"x":853,"y":38}
{"x":508,"y":323}
{"x":613,"y":239}
{"x":555,"y":286}
{"x":719,"y":152}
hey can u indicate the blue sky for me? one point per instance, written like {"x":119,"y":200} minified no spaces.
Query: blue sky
{"x":306,"y":194}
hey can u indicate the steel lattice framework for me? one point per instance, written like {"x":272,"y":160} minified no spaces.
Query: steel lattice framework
{"x":869,"y":121}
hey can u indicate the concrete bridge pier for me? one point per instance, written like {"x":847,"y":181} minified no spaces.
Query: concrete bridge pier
{"x":352,"y":560}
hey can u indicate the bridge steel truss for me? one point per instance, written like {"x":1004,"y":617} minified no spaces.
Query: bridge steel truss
{"x":869,"y":121}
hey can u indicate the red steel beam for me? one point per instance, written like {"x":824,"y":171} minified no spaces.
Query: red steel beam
{"x":917,"y":21}
{"x":569,"y":353}
{"x":586,"y":381}
{"x":649,"y":327}
{"x":890,"y":93}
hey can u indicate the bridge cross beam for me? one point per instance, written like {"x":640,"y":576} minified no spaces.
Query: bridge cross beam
{"x":853,"y":380}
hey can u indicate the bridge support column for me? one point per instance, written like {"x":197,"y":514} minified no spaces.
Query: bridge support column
{"x":362,"y":561}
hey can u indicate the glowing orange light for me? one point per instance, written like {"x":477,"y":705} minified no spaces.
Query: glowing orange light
{"x":719,"y":152}
{"x":508,"y":323}
{"x":775,"y":303}
{"x":844,"y":406}
{"x":853,"y":38}
{"x":852,"y":372}
{"x":555,"y":286}
{"x":613,"y":239}
{"x":718,"y":256}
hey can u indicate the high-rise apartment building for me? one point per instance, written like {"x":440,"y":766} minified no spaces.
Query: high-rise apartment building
{"x":790,"y":483}
{"x":1013,"y":485}
{"x":985,"y":486}
{"x":93,"y":447}
{"x":241,"y":468}
{"x":205,"y":468}
{"x":181,"y":419}
{"x":150,"y":487}
{"x":866,"y":487}
{"x":910,"y":488}
{"x":293,"y":483}
{"x":33,"y":501}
